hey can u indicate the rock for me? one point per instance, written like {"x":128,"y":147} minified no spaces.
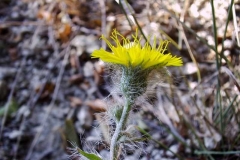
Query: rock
{"x":155,"y":152}
{"x":132,"y":157}
{"x":26,"y":52}
{"x":82,"y":43}
{"x":169,"y":138}
{"x":84,"y":117}
{"x":156,"y":136}
{"x":149,"y":148}
{"x":189,"y":68}
{"x":14,"y":134}
{"x":105,"y":154}
{"x":157,"y":157}
{"x":79,"y":43}
{"x":144,"y":158}
{"x":15,"y":15}
{"x":174,"y":149}
{"x":94,"y":136}
{"x":23,"y":111}
{"x":91,"y":48}
{"x":88,"y":69}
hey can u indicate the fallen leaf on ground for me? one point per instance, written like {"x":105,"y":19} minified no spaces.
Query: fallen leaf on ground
{"x":75,"y":101}
{"x":97,"y":105}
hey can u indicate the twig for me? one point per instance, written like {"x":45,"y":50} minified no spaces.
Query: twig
{"x":103,"y":21}
{"x":31,"y":103}
{"x":235,"y":23}
{"x":51,"y":105}
{"x":230,"y":74}
{"x":11,"y":95}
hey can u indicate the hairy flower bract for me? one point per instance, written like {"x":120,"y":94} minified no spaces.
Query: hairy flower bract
{"x":132,"y":65}
{"x":133,"y":54}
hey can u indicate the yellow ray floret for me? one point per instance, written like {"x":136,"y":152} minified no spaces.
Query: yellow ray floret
{"x":132,"y":54}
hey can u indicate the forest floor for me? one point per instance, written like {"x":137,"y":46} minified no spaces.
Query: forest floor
{"x":52,"y":93}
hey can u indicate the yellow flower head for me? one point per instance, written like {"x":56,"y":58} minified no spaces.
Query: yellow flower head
{"x":133,"y":54}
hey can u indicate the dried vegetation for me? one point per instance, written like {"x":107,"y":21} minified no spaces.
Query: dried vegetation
{"x":51,"y":90}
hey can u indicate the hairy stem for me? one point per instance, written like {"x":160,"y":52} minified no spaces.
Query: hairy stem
{"x":120,"y":126}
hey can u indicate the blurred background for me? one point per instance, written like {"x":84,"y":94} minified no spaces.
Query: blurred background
{"x":52,"y":93}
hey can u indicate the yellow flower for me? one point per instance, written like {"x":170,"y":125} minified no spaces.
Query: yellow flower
{"x":133,"y":54}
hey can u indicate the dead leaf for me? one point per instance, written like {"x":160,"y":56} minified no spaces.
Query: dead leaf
{"x":42,"y":14}
{"x":97,"y":105}
{"x":47,"y":90}
{"x":13,"y":53}
{"x":77,"y":78}
{"x":75,"y":101}
{"x":85,"y":85}
{"x":64,"y":32}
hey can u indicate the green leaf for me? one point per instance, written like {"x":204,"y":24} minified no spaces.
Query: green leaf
{"x":11,"y":108}
{"x":90,"y":156}
{"x":70,"y":133}
{"x":118,"y":113}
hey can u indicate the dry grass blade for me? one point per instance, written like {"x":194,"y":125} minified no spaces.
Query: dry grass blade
{"x":11,"y":95}
{"x":235,"y":24}
{"x":103,"y":19}
{"x":51,"y":105}
{"x":233,"y":78}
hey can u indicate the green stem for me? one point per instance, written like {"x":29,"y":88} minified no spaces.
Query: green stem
{"x":119,"y":128}
{"x":217,"y":152}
